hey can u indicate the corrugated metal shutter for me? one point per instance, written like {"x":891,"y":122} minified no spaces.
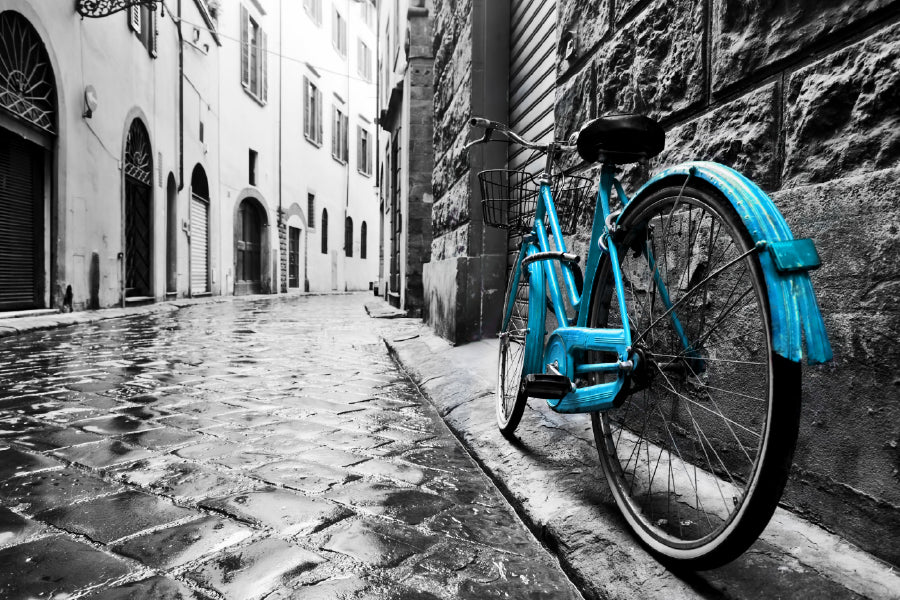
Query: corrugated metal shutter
{"x":20,"y":213}
{"x":532,"y":76}
{"x":199,"y":245}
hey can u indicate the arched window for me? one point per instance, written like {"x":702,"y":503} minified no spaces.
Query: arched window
{"x":324,"y":231}
{"x":362,"y":240}
{"x":348,"y":237}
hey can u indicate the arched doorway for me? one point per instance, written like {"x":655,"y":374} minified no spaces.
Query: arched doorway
{"x":138,"y":213}
{"x":27,"y":136}
{"x":199,"y":232}
{"x":249,"y":246}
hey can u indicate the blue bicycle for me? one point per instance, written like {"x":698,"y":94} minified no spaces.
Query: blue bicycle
{"x":681,"y":335}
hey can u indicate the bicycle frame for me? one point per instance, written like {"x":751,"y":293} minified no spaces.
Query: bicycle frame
{"x":571,"y":340}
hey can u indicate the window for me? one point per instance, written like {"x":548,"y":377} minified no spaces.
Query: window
{"x":348,"y":237}
{"x":312,"y":112}
{"x":339,"y":33}
{"x":254,"y":59}
{"x":364,"y":60}
{"x":363,"y":155}
{"x":142,"y":20}
{"x":252,"y":166}
{"x":324,"y":231}
{"x":367,"y":11}
{"x":363,"y":233}
{"x":311,"y":210}
{"x":339,"y":140}
{"x":314,"y":10}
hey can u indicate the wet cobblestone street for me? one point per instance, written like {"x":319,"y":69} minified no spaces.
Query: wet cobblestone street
{"x":247,"y":449}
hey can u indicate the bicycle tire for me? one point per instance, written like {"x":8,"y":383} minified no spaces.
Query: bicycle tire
{"x":519,"y":344}
{"x":715,"y":412}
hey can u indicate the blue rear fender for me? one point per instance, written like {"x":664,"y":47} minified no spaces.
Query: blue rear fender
{"x":792,"y":301}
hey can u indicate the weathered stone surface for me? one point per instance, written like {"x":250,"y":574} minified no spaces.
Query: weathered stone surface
{"x":55,"y":567}
{"x":751,"y":34}
{"x":52,"y":489}
{"x":377,"y":544}
{"x":575,"y":105}
{"x":585,"y":23}
{"x":256,"y":570}
{"x":452,"y":210}
{"x":175,"y":546}
{"x":842,"y":116}
{"x":286,"y":512}
{"x":157,"y":587}
{"x":449,"y":246}
{"x":742,"y":134}
{"x":655,"y":64}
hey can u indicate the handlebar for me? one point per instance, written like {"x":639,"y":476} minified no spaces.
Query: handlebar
{"x":491,"y":126}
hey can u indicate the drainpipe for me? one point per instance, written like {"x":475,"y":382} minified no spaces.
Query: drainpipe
{"x":180,"y":101}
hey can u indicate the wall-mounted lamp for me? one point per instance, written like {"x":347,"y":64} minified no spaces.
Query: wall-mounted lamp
{"x":90,"y":102}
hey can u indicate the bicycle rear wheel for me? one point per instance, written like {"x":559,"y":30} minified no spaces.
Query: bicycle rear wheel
{"x":699,"y":452}
{"x":520,"y":344}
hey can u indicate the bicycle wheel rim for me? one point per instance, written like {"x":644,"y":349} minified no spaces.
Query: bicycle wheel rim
{"x":511,"y":360}
{"x":684,"y":455}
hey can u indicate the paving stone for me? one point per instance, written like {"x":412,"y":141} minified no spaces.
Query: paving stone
{"x":174,"y":546}
{"x":54,"y":567}
{"x":328,"y":406}
{"x":340,"y":588}
{"x":209,"y":450}
{"x":53,"y":489}
{"x":54,"y":438}
{"x":14,"y":463}
{"x":387,"y":470}
{"x":15,"y":529}
{"x":376,"y":544}
{"x":347,"y":440}
{"x":184,"y":480}
{"x":302,"y":475}
{"x":112,"y":517}
{"x":161,"y":438}
{"x":100,"y":455}
{"x":248,"y":459}
{"x":409,"y":505}
{"x":188,"y":422}
{"x":155,"y":588}
{"x":288,"y":513}
{"x":332,"y":457}
{"x":255,"y":570}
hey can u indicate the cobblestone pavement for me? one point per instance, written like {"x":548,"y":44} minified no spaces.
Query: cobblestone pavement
{"x":265,"y":448}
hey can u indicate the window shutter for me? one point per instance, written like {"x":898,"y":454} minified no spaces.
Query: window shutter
{"x":264,"y":66}
{"x":154,"y":32}
{"x":346,"y":137}
{"x":334,"y":132}
{"x":134,"y":17}
{"x":245,"y":47}
{"x":318,"y":116}
{"x":359,"y":154}
{"x":307,"y":130}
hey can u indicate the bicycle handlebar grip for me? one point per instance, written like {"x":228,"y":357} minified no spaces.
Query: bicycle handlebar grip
{"x":479,"y":122}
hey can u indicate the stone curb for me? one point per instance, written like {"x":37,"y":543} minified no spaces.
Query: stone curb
{"x":551,"y":476}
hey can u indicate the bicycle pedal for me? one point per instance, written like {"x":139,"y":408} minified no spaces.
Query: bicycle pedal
{"x":546,"y":385}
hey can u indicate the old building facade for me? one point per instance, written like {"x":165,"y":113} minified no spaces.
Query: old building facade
{"x":405,"y":92}
{"x":799,"y":96}
{"x":148,"y":154}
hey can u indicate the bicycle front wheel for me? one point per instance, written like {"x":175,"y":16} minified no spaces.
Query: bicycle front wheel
{"x":699,"y":452}
{"x":521,"y":344}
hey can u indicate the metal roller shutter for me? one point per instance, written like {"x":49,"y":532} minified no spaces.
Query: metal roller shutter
{"x":532,"y":76}
{"x":199,"y":245}
{"x":21,"y":183}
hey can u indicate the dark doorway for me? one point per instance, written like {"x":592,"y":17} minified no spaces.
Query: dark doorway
{"x":21,"y":223}
{"x":171,"y":236}
{"x":293,"y":257}
{"x":138,"y":213}
{"x":248,"y":249}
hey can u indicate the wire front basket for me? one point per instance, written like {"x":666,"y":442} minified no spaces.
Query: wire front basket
{"x":509,"y":199}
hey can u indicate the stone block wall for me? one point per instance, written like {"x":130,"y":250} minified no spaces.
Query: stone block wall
{"x":803,"y":98}
{"x":466,"y":273}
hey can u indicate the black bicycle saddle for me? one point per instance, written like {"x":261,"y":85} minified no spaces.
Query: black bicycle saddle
{"x":620,"y":139}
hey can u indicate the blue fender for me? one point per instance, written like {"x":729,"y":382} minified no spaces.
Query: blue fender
{"x":792,"y":301}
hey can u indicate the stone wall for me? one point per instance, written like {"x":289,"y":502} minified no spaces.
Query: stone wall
{"x":803,"y":98}
{"x":465,"y":278}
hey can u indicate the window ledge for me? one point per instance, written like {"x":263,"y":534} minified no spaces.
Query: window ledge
{"x":312,"y":141}
{"x":252,"y":95}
